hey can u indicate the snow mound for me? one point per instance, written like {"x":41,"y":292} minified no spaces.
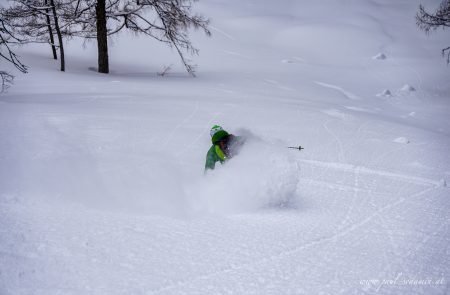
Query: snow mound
{"x":261,"y":176}
{"x":407,"y":88}
{"x":379,"y":56}
{"x":335,"y":113}
{"x":385,"y":93}
{"x":402,"y":140}
{"x":292,"y":60}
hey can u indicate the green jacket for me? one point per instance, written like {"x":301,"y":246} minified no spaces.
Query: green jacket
{"x":215,"y":153}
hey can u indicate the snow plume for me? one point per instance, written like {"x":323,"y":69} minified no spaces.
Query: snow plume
{"x":148,"y":186}
{"x":119,"y":182}
{"x":262,"y":175}
{"x":59,"y":165}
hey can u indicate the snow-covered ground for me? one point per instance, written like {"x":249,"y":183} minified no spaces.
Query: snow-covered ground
{"x":102,"y":189}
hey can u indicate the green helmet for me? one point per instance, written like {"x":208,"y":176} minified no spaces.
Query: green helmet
{"x":217,"y":134}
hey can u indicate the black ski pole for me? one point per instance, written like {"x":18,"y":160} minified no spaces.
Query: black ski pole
{"x":296,"y":147}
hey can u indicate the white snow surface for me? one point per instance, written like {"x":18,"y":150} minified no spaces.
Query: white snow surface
{"x":102,"y":184}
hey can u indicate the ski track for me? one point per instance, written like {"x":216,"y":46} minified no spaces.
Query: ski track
{"x":343,"y":229}
{"x":278,"y":85}
{"x":344,"y":92}
{"x":353,"y":200}
{"x":341,"y":155}
{"x":342,"y":232}
{"x":181,"y":124}
{"x":365,"y":170}
{"x":201,"y":134}
{"x":222,"y":33}
{"x":389,"y":234}
{"x":82,"y":135}
{"x":214,"y":119}
{"x":427,"y":237}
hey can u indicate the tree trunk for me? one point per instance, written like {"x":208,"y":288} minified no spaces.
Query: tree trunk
{"x":102,"y":37}
{"x":58,"y":33}
{"x":50,"y":31}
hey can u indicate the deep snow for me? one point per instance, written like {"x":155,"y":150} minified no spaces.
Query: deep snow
{"x":102,"y":188}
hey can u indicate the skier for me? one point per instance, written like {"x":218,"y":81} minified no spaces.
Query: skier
{"x":224,"y":147}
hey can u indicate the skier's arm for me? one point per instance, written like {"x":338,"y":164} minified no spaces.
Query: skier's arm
{"x":210,"y":160}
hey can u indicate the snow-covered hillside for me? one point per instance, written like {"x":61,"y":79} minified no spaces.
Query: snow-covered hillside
{"x":102,"y":188}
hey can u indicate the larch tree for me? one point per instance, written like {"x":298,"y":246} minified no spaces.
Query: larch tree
{"x":429,"y":22}
{"x":6,"y":53}
{"x":37,"y":21}
{"x":167,"y":21}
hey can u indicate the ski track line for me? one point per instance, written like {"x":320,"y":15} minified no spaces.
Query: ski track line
{"x":346,"y":93}
{"x":389,"y":233}
{"x":214,"y":117}
{"x":365,"y":170}
{"x":419,"y":77}
{"x":427,"y":238}
{"x":411,"y":69}
{"x":278,"y":85}
{"x":294,"y":250}
{"x":387,"y":153}
{"x":387,"y":260}
{"x":183,"y":122}
{"x":357,"y":225}
{"x":210,"y":122}
{"x":223,"y":33}
{"x":354,"y":197}
{"x":339,"y":142}
{"x":237,"y":54}
{"x":337,"y":186}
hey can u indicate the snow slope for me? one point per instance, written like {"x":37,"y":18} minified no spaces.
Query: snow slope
{"x":102,"y":189}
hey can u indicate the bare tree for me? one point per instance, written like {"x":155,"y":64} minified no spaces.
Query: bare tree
{"x":432,"y":21}
{"x":35,"y":21}
{"x":6,"y":39}
{"x":102,"y":37}
{"x":58,"y":33}
{"x":50,"y":30}
{"x":167,"y":21}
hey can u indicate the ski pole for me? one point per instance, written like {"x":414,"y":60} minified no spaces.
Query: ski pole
{"x":296,"y":147}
